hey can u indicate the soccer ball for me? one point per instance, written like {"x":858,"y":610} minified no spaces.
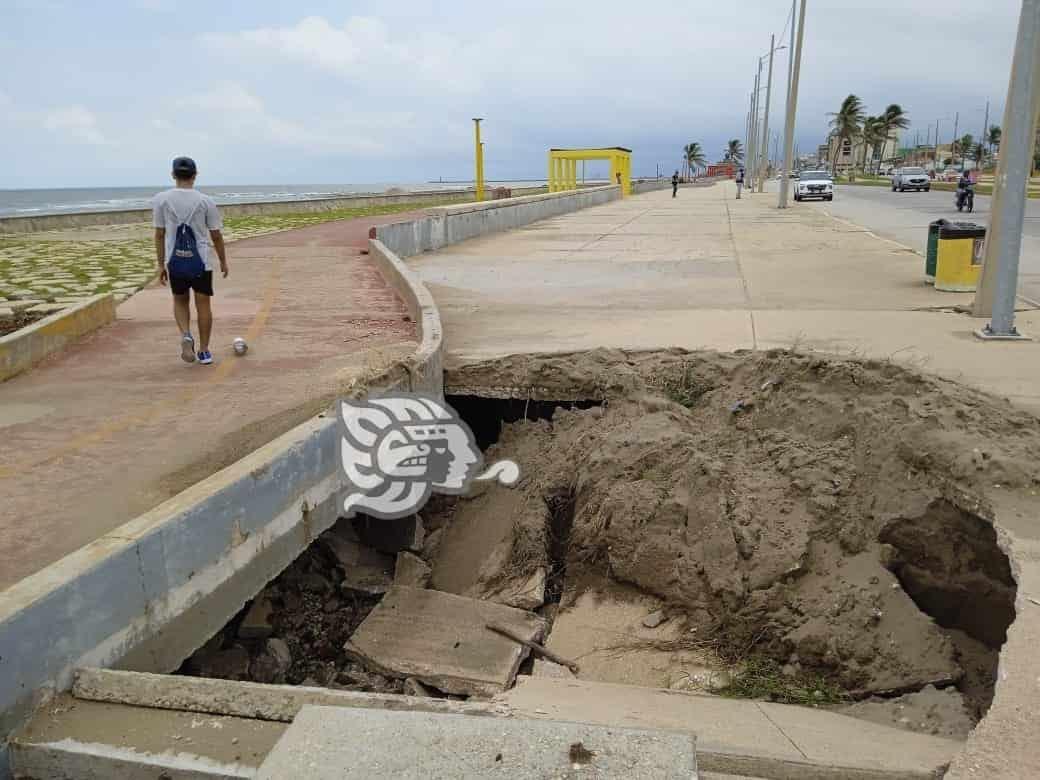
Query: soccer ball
{"x":240,"y":346}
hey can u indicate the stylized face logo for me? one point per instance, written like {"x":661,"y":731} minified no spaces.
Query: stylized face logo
{"x":396,"y":449}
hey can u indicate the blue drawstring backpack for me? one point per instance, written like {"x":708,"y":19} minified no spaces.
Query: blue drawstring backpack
{"x":185,"y":261}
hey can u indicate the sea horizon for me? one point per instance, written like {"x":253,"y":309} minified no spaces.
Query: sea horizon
{"x":29,"y":202}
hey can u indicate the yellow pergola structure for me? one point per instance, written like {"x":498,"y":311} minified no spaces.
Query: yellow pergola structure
{"x":563,"y":167}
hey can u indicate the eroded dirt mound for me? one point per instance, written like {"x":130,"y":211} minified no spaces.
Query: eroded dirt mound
{"x":820,"y":512}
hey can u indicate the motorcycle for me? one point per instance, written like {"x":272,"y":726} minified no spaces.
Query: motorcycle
{"x":966,"y":198}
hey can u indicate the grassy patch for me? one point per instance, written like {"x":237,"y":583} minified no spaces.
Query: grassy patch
{"x":47,"y":266}
{"x":763,"y":678}
{"x":686,"y":388}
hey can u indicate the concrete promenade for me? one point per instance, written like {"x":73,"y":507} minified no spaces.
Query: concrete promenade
{"x":706,"y":271}
{"x":118,"y":423}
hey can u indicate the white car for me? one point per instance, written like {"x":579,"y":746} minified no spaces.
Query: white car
{"x":911,"y":179}
{"x":814,"y":184}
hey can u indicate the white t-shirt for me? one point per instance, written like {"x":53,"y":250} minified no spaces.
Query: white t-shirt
{"x":173,"y":207}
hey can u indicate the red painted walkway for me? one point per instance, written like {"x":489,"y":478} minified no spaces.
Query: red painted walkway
{"x":118,"y":423}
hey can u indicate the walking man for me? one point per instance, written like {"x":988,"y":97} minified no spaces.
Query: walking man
{"x":675,"y":183}
{"x":187,"y":230}
{"x":740,"y":180}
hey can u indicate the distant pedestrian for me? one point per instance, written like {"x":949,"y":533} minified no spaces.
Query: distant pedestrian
{"x":675,"y":183}
{"x":186,"y":224}
{"x":740,"y":181}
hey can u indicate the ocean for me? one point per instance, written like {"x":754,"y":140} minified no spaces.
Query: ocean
{"x":15,"y":203}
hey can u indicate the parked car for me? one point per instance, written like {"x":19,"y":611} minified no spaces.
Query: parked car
{"x":951,"y":174}
{"x":910,"y":179}
{"x":814,"y":184}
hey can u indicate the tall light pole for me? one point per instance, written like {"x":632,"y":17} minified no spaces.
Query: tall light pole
{"x":1004,"y":242}
{"x":753,"y":158}
{"x":765,"y":118}
{"x":479,"y":158}
{"x":794,"y":71}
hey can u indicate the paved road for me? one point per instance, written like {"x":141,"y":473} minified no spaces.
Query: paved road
{"x":904,"y":217}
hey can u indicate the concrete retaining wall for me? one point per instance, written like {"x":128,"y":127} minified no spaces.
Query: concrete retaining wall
{"x":146,"y":595}
{"x":130,"y":216}
{"x":450,"y":224}
{"x":649,"y":185}
{"x":21,"y":350}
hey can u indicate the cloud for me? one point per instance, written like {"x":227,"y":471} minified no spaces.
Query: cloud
{"x":75,"y":123}
{"x":361,"y":50}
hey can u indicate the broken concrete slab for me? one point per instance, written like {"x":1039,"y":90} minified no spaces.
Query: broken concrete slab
{"x":544,"y":668}
{"x":257,"y":622}
{"x":740,"y":736}
{"x":441,"y":639}
{"x":411,"y":570}
{"x":70,"y":738}
{"x":390,"y":536}
{"x":273,"y":663}
{"x":413,"y":687}
{"x":364,"y":570}
{"x":331,"y":743}
{"x":526,"y":593}
{"x":249,"y":700}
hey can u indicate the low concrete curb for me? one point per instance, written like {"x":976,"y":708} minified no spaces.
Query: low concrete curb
{"x":23,"y":349}
{"x":451,"y":224}
{"x":147,"y":594}
{"x":17,"y":225}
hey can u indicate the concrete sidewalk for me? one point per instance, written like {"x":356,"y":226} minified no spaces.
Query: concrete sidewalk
{"x":706,"y":271}
{"x":118,"y":423}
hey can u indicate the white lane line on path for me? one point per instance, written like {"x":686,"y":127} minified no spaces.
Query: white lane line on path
{"x":740,"y":270}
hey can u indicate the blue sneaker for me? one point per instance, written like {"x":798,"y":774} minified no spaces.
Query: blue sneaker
{"x":188,"y":348}
{"x":205,"y":357}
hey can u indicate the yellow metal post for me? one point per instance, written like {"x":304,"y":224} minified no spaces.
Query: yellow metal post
{"x":480,"y":159}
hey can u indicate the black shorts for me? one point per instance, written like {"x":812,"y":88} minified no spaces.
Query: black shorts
{"x":203,"y":285}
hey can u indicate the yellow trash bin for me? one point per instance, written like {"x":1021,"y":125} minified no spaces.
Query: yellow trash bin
{"x":958,"y":258}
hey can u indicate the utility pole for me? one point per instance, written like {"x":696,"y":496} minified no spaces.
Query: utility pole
{"x":480,"y":159}
{"x":753,"y":154}
{"x":1004,"y":242}
{"x":953,"y":144}
{"x":984,"y":138}
{"x":792,"y":100}
{"x":765,"y":118}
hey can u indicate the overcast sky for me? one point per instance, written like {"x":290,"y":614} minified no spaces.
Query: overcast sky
{"x":335,"y":91}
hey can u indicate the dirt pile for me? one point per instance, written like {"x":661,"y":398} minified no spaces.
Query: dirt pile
{"x":827,"y":514}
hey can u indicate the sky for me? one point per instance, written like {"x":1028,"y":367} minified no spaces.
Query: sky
{"x":107,"y":92}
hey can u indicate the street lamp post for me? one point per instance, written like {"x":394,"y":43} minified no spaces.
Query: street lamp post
{"x":1004,"y":242}
{"x":792,"y":99}
{"x":479,"y":159}
{"x":765,"y":119}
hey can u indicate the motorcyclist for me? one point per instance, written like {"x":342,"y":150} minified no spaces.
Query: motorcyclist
{"x":965,"y":192}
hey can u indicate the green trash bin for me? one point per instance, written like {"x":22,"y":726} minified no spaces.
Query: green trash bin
{"x":932,"y":253}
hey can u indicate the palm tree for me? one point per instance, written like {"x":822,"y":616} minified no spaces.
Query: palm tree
{"x":893,"y":118}
{"x":993,"y":137}
{"x":693,"y":154}
{"x":734,"y":151}
{"x":872,"y":134}
{"x":980,"y":155}
{"x":846,"y":124}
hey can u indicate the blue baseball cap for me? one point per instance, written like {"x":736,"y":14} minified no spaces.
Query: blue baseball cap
{"x":184,"y":166}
